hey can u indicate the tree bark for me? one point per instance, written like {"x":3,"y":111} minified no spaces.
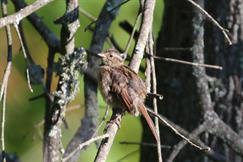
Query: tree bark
{"x":195,"y":94}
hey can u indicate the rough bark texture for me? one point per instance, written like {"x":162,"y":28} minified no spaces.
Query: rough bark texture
{"x":227,"y":86}
{"x":196,"y":94}
{"x":67,"y":84}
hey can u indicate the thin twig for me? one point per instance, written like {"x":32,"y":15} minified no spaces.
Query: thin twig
{"x":5,"y":79}
{"x":3,"y":123}
{"x":176,"y":131}
{"x":25,"y":56}
{"x":102,"y":121}
{"x":37,"y":22}
{"x":144,"y":144}
{"x":110,"y":39}
{"x":4,"y":93}
{"x":4,"y":86}
{"x":150,"y":45}
{"x":27,"y":51}
{"x":155,"y":95}
{"x":187,"y":62}
{"x":148,"y":76}
{"x":181,"y":144}
{"x":28,"y":80}
{"x":133,"y":32}
{"x":85,"y":144}
{"x":224,"y":31}
{"x":87,"y":14}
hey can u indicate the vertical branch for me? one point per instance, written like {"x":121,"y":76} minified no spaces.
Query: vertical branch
{"x":133,"y":32}
{"x":3,"y":92}
{"x":90,"y":120}
{"x":154,"y":91}
{"x":198,"y":56}
{"x":215,"y":125}
{"x":148,"y":11}
{"x":112,"y":127}
{"x":47,"y":35}
{"x":67,"y":84}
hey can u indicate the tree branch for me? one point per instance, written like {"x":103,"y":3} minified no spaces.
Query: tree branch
{"x":148,"y":12}
{"x":48,"y":36}
{"x":67,"y":84}
{"x":18,"y":16}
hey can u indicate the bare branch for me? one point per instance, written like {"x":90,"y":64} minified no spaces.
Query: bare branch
{"x":4,"y":86}
{"x":82,"y":145}
{"x":188,"y":62}
{"x":25,"y":56}
{"x":146,"y":26}
{"x":144,"y":144}
{"x":48,"y":36}
{"x":132,"y":34}
{"x":18,"y":16}
{"x":224,"y":31}
{"x":164,"y":121}
{"x":181,"y":145}
{"x":150,"y":46}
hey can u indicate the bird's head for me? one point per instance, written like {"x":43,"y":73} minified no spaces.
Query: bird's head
{"x":111,"y":57}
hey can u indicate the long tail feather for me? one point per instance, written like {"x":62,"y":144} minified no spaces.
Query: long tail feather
{"x":149,"y":121}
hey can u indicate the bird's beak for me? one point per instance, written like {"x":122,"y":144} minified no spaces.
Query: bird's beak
{"x":102,"y":55}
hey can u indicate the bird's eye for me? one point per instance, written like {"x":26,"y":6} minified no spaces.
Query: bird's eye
{"x":111,"y":56}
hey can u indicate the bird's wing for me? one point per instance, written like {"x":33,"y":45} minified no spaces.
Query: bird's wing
{"x":119,"y":88}
{"x":136,"y":83}
{"x":128,"y":87}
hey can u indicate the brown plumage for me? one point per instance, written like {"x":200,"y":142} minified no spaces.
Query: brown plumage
{"x":121,"y":87}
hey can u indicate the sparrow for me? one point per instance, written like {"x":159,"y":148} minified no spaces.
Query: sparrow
{"x":121,"y":87}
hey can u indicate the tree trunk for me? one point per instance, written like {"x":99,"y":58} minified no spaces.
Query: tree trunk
{"x":177,"y":82}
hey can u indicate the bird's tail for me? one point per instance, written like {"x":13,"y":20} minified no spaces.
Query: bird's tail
{"x":150,"y":122}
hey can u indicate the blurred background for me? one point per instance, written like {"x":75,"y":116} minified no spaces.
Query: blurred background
{"x":24,"y":118}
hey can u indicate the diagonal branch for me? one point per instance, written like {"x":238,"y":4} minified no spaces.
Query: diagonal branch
{"x":18,"y":16}
{"x":48,"y":36}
